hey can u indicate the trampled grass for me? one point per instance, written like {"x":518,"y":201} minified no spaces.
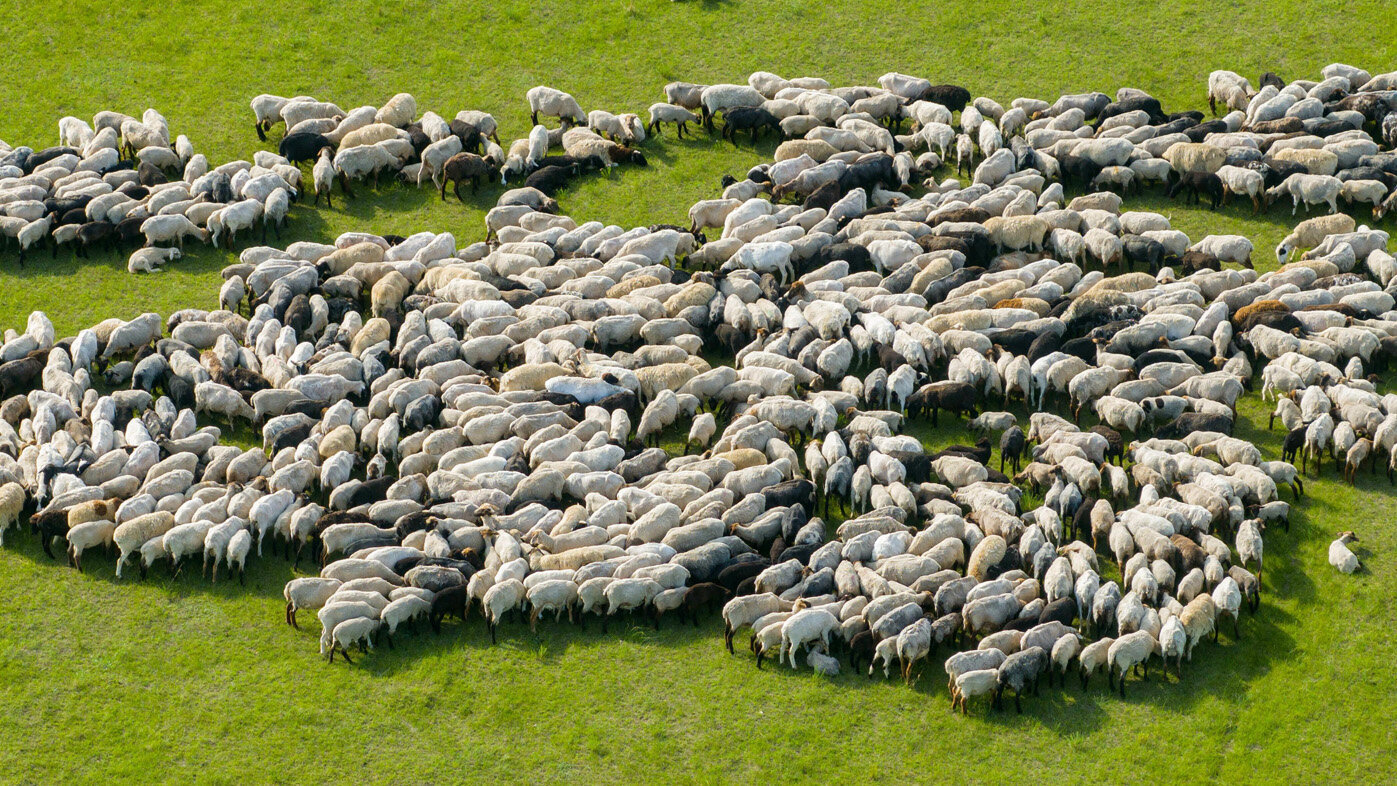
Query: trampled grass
{"x":180,"y":680}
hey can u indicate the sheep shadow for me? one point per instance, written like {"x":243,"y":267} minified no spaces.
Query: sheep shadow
{"x":552,"y":641}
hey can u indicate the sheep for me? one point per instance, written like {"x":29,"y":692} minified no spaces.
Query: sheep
{"x":968,"y":685}
{"x":1341,"y":556}
{"x":1128,"y":651}
{"x":307,"y":593}
{"x":150,"y":260}
{"x":1226,"y":248}
{"x":323,"y":175}
{"x":1093,"y":657}
{"x":1249,"y":543}
{"x":1020,"y":671}
{"x":669,"y":113}
{"x":1311,"y":232}
{"x":501,"y":598}
{"x":553,"y":103}
{"x":171,"y":229}
{"x":359,"y":631}
{"x":131,"y":535}
{"x":238,"y":548}
{"x":1311,"y":189}
{"x":408,"y":608}
{"x":12,"y":501}
{"x":1227,"y":598}
{"x":1244,"y":182}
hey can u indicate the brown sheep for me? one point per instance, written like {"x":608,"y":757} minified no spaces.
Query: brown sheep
{"x":463,"y":167}
{"x":1259,"y":306}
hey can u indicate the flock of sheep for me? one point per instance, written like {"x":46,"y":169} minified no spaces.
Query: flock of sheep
{"x":487,"y":434}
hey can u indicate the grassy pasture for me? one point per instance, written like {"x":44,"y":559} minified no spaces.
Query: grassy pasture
{"x":179,"y":680}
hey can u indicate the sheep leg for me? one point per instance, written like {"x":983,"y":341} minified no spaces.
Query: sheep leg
{"x":291,"y":615}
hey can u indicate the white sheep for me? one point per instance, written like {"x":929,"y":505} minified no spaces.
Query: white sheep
{"x":1309,"y":189}
{"x":1226,"y":248}
{"x":1341,"y":556}
{"x":354,"y":631}
{"x":150,"y":260}
{"x":171,"y":229}
{"x":307,"y":593}
{"x":12,"y":500}
{"x":553,"y":103}
{"x":669,"y":113}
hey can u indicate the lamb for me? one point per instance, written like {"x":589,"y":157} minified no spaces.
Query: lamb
{"x":669,"y":113}
{"x":86,"y":535}
{"x":355,"y":631}
{"x":968,"y":685}
{"x":1341,"y":557}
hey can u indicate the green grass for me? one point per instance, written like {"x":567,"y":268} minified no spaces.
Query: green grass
{"x":178,"y":680}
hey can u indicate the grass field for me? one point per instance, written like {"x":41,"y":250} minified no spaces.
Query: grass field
{"x":179,"y":681}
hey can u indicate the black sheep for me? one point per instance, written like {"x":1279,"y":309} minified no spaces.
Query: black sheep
{"x":733,"y":575}
{"x":1011,"y":448}
{"x":1062,"y":610}
{"x":471,"y":139}
{"x":953,"y":97}
{"x":1190,"y":422}
{"x":1199,"y":132}
{"x":551,"y":179}
{"x":955,"y":397}
{"x":1144,"y":251}
{"x":749,"y":118}
{"x":1198,"y":184}
{"x":94,"y":233}
{"x":303,"y":146}
{"x":450,"y":601}
{"x":1115,"y":444}
{"x":823,"y":198}
{"x":1149,"y":104}
{"x":1043,"y":345}
{"x":869,"y":172}
{"x":702,"y":598}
